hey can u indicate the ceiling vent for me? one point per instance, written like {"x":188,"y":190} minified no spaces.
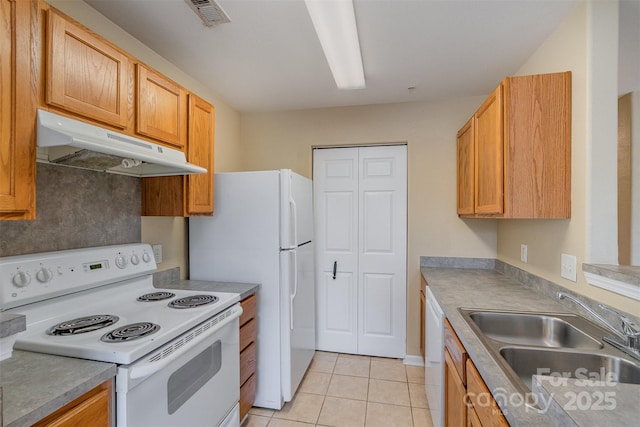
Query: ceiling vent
{"x":209,"y":12}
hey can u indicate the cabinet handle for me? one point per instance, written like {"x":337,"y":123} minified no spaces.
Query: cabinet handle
{"x":335,"y":268}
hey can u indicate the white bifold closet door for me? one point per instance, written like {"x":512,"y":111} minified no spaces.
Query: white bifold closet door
{"x":360,"y":207}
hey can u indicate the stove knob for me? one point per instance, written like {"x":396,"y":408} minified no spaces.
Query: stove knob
{"x":121,"y":261}
{"x":21,"y":279}
{"x":135,"y":259}
{"x":44,"y":275}
{"x":146,"y":257}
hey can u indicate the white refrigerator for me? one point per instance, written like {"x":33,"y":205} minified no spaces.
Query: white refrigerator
{"x":261,"y":232}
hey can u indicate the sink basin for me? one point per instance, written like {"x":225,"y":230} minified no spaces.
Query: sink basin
{"x":542,"y":330}
{"x":524,"y":344}
{"x":526,"y":362}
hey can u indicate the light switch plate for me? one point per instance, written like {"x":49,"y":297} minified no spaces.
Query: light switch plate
{"x":157,"y":253}
{"x":568,"y":267}
{"x":524,"y":253}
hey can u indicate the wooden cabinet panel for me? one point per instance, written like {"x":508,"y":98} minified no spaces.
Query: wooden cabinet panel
{"x":538,"y":146}
{"x":248,"y":333}
{"x":248,"y":353}
{"x":91,"y":409}
{"x":190,"y":195}
{"x":249,"y":307}
{"x":200,"y":152}
{"x":18,"y":99}
{"x":472,"y":418}
{"x":161,"y":108}
{"x":466,"y":171}
{"x":455,"y":411}
{"x":247,"y":362}
{"x":247,"y":396}
{"x":457,"y":352}
{"x":521,"y":142}
{"x":487,"y":410}
{"x":85,"y":75}
{"x":488,"y":155}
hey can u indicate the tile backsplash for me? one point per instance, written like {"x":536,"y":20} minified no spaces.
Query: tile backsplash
{"x":76,"y":208}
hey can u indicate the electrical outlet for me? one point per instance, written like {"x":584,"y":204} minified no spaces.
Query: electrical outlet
{"x":157,"y":253}
{"x":568,"y":267}
{"x":523,"y":253}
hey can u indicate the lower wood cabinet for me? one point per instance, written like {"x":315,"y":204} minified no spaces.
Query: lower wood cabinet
{"x":248,"y":354}
{"x":467,"y":399}
{"x":91,"y":409}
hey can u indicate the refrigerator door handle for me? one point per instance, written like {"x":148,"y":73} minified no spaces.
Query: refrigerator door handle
{"x":335,"y":269}
{"x":294,"y":217}
{"x":295,"y":286}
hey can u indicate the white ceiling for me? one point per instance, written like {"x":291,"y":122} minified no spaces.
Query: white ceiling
{"x":269,"y":58}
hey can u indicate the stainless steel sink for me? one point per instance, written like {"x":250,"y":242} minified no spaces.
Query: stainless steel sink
{"x":543,"y":330}
{"x":524,"y":344}
{"x":526,"y":362}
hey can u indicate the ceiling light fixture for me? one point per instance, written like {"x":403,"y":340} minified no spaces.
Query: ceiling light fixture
{"x":335,"y":24}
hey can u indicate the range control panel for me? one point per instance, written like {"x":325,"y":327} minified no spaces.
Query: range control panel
{"x":34,"y":277}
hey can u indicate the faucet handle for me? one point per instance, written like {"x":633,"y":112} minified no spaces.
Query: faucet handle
{"x":628,"y":326}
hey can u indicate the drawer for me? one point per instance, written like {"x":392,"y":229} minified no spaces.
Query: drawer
{"x":247,"y":362}
{"x":456,"y":350}
{"x":247,"y":396}
{"x":248,"y":333}
{"x":249,"y":306}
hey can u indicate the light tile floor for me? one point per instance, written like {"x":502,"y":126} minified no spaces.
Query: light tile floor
{"x":342,"y":390}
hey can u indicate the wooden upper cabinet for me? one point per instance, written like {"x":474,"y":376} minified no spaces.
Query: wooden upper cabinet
{"x":18,"y":100}
{"x":488,"y":155}
{"x":85,"y":75}
{"x":161,"y":108}
{"x":466,"y":173}
{"x":522,"y":150}
{"x":190,"y":195}
{"x":200,"y":152}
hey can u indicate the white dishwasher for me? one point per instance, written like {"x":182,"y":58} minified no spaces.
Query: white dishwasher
{"x":434,"y":359}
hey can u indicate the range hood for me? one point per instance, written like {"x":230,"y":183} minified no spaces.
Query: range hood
{"x":69,"y":142}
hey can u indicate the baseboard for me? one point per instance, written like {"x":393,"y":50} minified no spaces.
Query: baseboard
{"x":413,"y":360}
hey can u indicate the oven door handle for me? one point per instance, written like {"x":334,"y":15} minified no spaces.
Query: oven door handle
{"x":146,"y":369}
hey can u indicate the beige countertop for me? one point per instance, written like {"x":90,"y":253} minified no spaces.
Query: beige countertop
{"x":489,"y":289}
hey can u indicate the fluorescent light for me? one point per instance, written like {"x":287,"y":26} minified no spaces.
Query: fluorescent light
{"x":335,"y":24}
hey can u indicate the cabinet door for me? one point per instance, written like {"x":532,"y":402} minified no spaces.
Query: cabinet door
{"x":85,"y":75}
{"x":91,"y":409}
{"x":489,"y":165}
{"x":17,"y":112}
{"x":487,"y":410}
{"x":455,"y":409}
{"x":161,"y":108}
{"x":466,"y":164}
{"x":200,"y":152}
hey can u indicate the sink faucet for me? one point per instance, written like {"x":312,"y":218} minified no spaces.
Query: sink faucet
{"x":627,"y":341}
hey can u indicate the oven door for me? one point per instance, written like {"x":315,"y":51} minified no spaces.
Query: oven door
{"x":192,"y":381}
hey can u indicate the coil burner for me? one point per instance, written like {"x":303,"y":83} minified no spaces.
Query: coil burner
{"x":155,"y":296}
{"x":193,"y":301}
{"x":130,"y":332}
{"x":82,"y":325}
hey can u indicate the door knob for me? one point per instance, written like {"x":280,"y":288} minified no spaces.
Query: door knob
{"x":335,"y":268}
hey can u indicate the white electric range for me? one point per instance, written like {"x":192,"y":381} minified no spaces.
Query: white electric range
{"x":176,"y":350}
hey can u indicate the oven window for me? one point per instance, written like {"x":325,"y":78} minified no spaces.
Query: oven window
{"x":189,"y":378}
